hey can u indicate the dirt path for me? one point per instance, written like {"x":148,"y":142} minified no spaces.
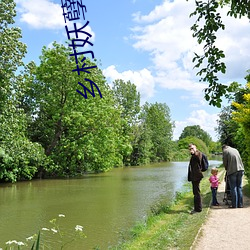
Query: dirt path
{"x":225,"y":228}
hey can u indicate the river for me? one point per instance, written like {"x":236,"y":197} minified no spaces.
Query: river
{"x":104,"y":204}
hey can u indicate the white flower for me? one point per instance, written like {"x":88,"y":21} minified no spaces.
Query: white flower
{"x":20,"y":243}
{"x":45,"y":229}
{"x":61,"y":215}
{"x":78,"y":228}
{"x":54,"y":230}
{"x":10,"y":242}
{"x":29,"y":238}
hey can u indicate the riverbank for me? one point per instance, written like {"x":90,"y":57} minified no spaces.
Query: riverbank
{"x":172,"y":227}
{"x":175,"y":228}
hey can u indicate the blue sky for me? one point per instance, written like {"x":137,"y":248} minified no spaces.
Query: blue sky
{"x":148,"y":42}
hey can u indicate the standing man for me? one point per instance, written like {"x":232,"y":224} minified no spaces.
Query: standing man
{"x":235,"y":170}
{"x":195,"y":175}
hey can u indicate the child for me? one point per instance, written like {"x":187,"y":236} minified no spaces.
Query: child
{"x":214,"y":185}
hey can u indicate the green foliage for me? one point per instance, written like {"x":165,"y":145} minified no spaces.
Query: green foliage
{"x":36,"y":243}
{"x":20,"y":157}
{"x":49,"y":129}
{"x":205,"y":28}
{"x":227,"y":127}
{"x":241,"y":116}
{"x":170,"y":226}
{"x":128,"y":100}
{"x":157,"y":122}
{"x":11,"y":50}
{"x":181,"y":154}
{"x":215,"y":147}
{"x":78,"y":134}
{"x":142,"y":145}
{"x":201,"y":146}
{"x":196,"y":131}
{"x":233,"y":123}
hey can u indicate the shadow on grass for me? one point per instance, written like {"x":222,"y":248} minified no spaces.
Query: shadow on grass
{"x":183,"y":204}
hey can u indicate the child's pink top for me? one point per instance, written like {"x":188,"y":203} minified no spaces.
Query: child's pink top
{"x":214,"y":181}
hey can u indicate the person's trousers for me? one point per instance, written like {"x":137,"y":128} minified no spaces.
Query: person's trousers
{"x":197,"y":196}
{"x":214,"y":196}
{"x":235,"y":182}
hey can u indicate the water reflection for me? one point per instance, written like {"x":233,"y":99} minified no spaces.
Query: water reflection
{"x":105,"y":204}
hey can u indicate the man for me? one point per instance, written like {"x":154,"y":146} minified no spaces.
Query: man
{"x":195,"y":175}
{"x":235,"y":169}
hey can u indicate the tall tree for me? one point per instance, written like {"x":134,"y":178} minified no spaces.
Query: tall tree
{"x":241,"y":115}
{"x":78,"y":134}
{"x":20,"y":158}
{"x":229,"y":130}
{"x":128,"y":99}
{"x":157,"y":121}
{"x":207,"y":25}
{"x":12,"y":50}
{"x":196,"y":131}
{"x":227,"y":127}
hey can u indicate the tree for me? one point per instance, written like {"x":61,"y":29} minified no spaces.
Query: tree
{"x":208,"y":23}
{"x":128,"y":100}
{"x":242,"y":116}
{"x":229,"y":130}
{"x":196,"y":131}
{"x":183,"y":144}
{"x":78,"y":134}
{"x":20,"y":158}
{"x":227,"y":127}
{"x":142,"y":145}
{"x":12,"y":50}
{"x":157,"y":122}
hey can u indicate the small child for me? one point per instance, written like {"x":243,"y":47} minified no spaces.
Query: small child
{"x":214,"y":185}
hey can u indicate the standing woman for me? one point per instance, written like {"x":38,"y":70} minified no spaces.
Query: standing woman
{"x":195,"y":175}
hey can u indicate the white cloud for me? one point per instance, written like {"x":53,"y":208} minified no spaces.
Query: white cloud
{"x":143,"y":80}
{"x":208,"y":122}
{"x":45,"y":14}
{"x":234,"y":41}
{"x":165,"y":33}
{"x":42,"y":14}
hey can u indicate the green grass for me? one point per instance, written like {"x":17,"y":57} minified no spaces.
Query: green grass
{"x":170,"y":226}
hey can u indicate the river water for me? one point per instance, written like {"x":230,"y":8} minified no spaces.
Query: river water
{"x":104,"y":204}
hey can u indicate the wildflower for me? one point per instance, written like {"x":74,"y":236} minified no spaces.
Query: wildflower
{"x":61,"y":215}
{"x":78,"y":228}
{"x":20,"y":243}
{"x":29,"y":238}
{"x":45,"y":229}
{"x":10,"y":242}
{"x":54,"y":230}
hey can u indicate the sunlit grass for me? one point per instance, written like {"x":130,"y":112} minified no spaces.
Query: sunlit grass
{"x":170,"y":226}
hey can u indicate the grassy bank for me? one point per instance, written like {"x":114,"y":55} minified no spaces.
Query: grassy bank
{"x":170,"y":227}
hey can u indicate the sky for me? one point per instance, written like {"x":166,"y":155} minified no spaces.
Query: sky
{"x":147,"y":42}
